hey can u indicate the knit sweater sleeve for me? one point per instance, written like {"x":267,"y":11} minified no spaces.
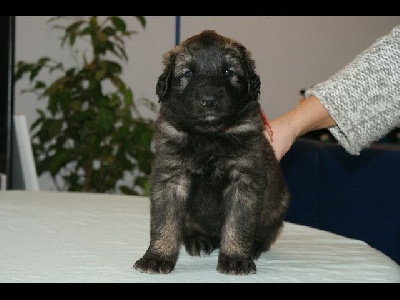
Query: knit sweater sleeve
{"x":364,"y":97}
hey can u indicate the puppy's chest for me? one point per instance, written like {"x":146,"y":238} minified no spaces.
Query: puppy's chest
{"x":211,"y":156}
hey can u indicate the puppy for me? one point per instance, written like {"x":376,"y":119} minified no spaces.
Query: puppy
{"x":215,"y":180}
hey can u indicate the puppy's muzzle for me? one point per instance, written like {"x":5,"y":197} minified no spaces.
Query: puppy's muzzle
{"x":208,"y":100}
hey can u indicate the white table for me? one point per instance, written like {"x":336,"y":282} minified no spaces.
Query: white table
{"x":77,"y":237}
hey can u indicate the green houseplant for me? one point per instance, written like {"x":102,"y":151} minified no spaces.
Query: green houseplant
{"x":92,"y":133}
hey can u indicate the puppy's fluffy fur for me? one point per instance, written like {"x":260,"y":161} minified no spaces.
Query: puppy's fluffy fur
{"x":215,"y":180}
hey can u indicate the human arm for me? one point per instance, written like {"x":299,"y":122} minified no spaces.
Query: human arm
{"x":363,"y":100}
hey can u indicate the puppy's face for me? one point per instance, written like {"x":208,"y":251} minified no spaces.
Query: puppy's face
{"x":209,"y":82}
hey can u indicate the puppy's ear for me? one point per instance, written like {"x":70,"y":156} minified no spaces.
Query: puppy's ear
{"x":253,"y":80}
{"x":164,"y":79}
{"x":254,"y":84}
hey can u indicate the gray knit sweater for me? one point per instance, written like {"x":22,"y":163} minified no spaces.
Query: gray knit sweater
{"x":364,"y":97}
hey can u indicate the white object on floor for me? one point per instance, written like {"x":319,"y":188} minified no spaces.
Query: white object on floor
{"x":3,"y":182}
{"x":24,"y":168}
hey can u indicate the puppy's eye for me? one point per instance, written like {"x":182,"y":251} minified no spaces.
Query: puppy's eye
{"x":188,"y":73}
{"x":229,"y":73}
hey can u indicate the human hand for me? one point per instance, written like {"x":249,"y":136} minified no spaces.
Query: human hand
{"x":309,"y":114}
{"x":280,"y":137}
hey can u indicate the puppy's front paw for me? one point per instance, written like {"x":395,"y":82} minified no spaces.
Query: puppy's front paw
{"x":153,"y":265}
{"x":235,"y":265}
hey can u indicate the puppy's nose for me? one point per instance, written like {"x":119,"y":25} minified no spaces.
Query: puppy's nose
{"x":208,"y":100}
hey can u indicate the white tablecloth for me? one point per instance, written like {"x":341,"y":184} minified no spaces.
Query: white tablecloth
{"x":77,"y":237}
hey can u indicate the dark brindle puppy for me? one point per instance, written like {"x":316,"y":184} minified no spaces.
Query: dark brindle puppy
{"x":215,"y":180}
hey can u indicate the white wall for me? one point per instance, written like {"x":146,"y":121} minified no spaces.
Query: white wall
{"x":291,"y":52}
{"x":295,"y":52}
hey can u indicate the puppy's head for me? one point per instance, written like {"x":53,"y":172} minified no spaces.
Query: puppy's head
{"x":209,"y":81}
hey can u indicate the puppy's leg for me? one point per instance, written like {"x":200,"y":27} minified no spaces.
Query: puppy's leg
{"x":241,"y":205}
{"x":167,"y":216}
{"x":273,"y":213}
